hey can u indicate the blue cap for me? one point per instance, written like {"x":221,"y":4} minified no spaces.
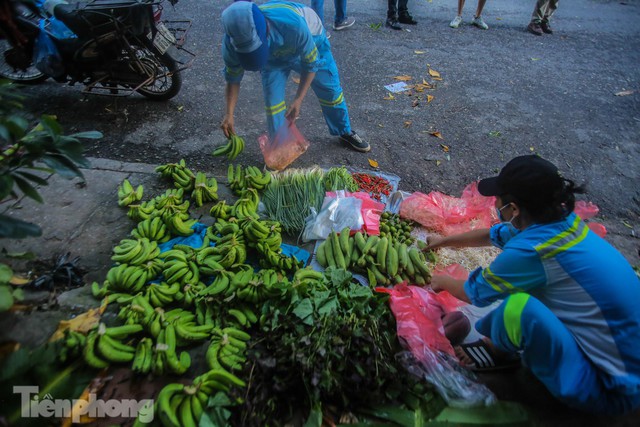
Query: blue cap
{"x":246,"y":27}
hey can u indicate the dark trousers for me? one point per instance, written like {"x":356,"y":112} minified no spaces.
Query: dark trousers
{"x":397,"y":7}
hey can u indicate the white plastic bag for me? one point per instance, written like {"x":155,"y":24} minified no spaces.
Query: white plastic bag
{"x":335,"y":214}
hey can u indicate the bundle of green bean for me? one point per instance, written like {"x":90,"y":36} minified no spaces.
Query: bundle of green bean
{"x":290,"y":196}
{"x":339,"y":179}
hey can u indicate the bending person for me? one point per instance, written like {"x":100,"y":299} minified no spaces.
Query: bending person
{"x":276,"y":38}
{"x":569,"y":299}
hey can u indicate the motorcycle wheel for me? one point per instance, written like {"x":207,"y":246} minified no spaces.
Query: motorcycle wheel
{"x":167,"y":82}
{"x":11,"y":71}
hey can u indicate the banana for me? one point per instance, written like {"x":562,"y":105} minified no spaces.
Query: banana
{"x":113,"y":350}
{"x":185,"y":413}
{"x":166,"y":412}
{"x":89,"y":352}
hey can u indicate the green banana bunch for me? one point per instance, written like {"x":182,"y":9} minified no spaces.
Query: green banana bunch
{"x":171,"y":197}
{"x":141,"y":211}
{"x":233,"y":147}
{"x":135,"y":251}
{"x":276,"y":259}
{"x":204,"y":190}
{"x":72,"y":345}
{"x":167,"y":170}
{"x":180,"y":224}
{"x":191,"y":292}
{"x":221,"y":210}
{"x":136,"y":311}
{"x":162,"y":294}
{"x":236,"y":179}
{"x":308,"y":278}
{"x":126,"y":278}
{"x":128,"y":195}
{"x":227,"y":349}
{"x":155,"y":322}
{"x":219,"y":285}
{"x":152,"y":229}
{"x":256,"y":179}
{"x":104,"y":345}
{"x":180,"y":405}
{"x":143,"y":356}
{"x":183,"y":178}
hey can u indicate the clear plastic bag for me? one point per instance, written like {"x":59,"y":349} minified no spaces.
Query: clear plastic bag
{"x":336,"y":213}
{"x":418,"y":312}
{"x":286,"y":147}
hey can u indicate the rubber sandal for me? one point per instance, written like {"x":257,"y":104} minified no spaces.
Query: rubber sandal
{"x":485,"y":359}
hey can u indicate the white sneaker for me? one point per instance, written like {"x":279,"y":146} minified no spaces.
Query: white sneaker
{"x":478,"y":22}
{"x":344,"y":24}
{"x":456,"y":22}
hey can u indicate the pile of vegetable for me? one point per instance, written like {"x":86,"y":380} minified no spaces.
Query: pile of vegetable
{"x":375,"y":185}
{"x":281,"y":343}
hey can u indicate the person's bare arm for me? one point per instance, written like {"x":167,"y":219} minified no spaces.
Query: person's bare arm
{"x":231,"y":92}
{"x":454,"y":286}
{"x":473,"y":238}
{"x":293,"y":111}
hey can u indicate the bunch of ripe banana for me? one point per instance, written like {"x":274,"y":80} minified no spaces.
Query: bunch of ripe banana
{"x":128,"y":279}
{"x":135,"y":251}
{"x":263,"y":231}
{"x":184,"y":178}
{"x":221,"y":210}
{"x":136,"y":311}
{"x":384,"y":260}
{"x":204,"y":190}
{"x":163,"y":294}
{"x":391,"y":225}
{"x":254,"y":288}
{"x":105,"y":345}
{"x":240,"y":179}
{"x":165,"y":359}
{"x":128,"y":195}
{"x":179,"y":267}
{"x":152,"y":229}
{"x":170,"y":168}
{"x":179,"y":405}
{"x":227,"y":349}
{"x":276,"y":259}
{"x":233,"y":147}
{"x":72,"y":345}
{"x":141,"y":211}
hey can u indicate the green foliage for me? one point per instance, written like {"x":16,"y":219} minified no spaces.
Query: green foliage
{"x":29,"y":154}
{"x":7,"y":294}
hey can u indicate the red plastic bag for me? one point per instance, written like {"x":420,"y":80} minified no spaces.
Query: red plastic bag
{"x":585,"y":210}
{"x":418,"y":312}
{"x":455,"y":271}
{"x":288,"y":145}
{"x":450,"y":215}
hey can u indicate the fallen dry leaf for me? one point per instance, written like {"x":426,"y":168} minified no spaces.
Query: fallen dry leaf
{"x":18,"y":280}
{"x":436,"y":134}
{"x":445,"y":148}
{"x":81,"y":323}
{"x":389,"y":97}
{"x":407,"y":123}
{"x":403,"y":78}
{"x":625,"y":93}
{"x":180,"y":107}
{"x":415,"y":102}
{"x":373,"y":163}
{"x":438,"y":162}
{"x":418,"y":52}
{"x":429,"y":98}
{"x":434,"y":73}
{"x":296,"y":80}
{"x":531,"y":149}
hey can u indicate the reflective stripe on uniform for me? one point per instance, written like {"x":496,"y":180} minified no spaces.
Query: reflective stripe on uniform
{"x":338,"y":101}
{"x":276,"y":109}
{"x":234,"y":72}
{"x":497,"y":283}
{"x":512,"y":317}
{"x":280,"y":6}
{"x":563,"y":241}
{"x":312,"y":56}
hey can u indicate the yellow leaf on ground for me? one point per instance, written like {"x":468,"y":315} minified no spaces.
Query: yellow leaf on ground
{"x":389,"y":97}
{"x":429,"y":98}
{"x":434,"y":73}
{"x":407,"y":123}
{"x":445,"y":148}
{"x":438,"y":162}
{"x":81,"y":323}
{"x":531,"y":149}
{"x":415,"y":102}
{"x":418,"y":52}
{"x":180,"y":107}
{"x":18,"y":281}
{"x":625,"y":93}
{"x":373,"y":163}
{"x":436,"y":134}
{"x":296,"y":80}
{"x":403,"y":78}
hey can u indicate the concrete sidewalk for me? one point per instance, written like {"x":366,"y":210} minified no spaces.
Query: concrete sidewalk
{"x":85,"y":220}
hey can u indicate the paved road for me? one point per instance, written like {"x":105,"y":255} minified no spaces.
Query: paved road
{"x":504,"y":92}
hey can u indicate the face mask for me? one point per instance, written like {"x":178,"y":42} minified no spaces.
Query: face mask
{"x":499,"y":211}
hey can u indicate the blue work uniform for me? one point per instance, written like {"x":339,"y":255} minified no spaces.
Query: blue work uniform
{"x":297,"y":41}
{"x":571,"y":306}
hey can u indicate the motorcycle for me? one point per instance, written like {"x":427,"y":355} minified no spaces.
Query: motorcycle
{"x":112,"y":47}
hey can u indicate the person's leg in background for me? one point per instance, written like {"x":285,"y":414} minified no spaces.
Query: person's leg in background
{"x":392,"y":15}
{"x":551,"y":8}
{"x":404,"y":17}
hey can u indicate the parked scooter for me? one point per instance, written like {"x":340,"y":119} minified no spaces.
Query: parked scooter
{"x":113,"y":47}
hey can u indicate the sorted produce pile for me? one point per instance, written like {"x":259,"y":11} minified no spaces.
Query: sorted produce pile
{"x":399,"y":229}
{"x":375,"y":185}
{"x":280,"y":341}
{"x":339,"y":179}
{"x":232,"y":149}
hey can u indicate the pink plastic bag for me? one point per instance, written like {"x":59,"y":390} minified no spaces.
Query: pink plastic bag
{"x":418,"y":312}
{"x":450,"y":215}
{"x":586,"y":210}
{"x":455,"y":271}
{"x":287,"y":146}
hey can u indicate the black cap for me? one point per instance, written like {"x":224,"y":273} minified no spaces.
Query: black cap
{"x":526,"y":178}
